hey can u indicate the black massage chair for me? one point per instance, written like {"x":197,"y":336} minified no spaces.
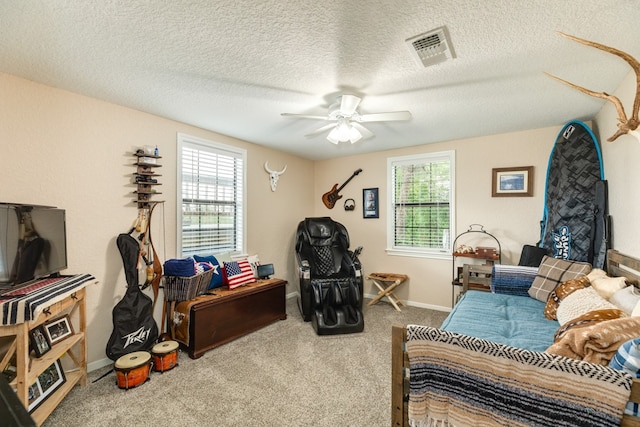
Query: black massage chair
{"x":330,"y":277}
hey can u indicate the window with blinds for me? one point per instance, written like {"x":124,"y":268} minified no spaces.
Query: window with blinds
{"x":211,"y":208}
{"x":421,"y":193}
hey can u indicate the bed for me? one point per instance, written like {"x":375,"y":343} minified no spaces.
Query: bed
{"x":501,"y":377}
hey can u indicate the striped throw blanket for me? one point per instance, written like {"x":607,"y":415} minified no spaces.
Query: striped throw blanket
{"x":512,"y":279}
{"x":457,"y":380}
{"x":29,"y":301}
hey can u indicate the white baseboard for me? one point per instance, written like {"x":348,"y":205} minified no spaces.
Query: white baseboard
{"x":292,"y":295}
{"x":417,"y":304}
{"x":411,"y":303}
{"x":99,"y":364}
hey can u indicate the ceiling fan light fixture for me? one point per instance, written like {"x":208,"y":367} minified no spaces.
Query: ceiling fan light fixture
{"x":333,"y":136}
{"x":346,"y":120}
{"x":343,"y":131}
{"x":354,"y":135}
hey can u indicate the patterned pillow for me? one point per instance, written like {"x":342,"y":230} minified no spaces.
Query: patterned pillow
{"x":238,"y":273}
{"x":552,"y":272}
{"x":561,"y":292}
{"x":512,"y":279}
{"x":587,"y":319}
{"x":581,"y":302}
{"x":216,"y":277}
{"x":627,"y":359}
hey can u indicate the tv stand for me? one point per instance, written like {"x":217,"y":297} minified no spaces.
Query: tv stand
{"x":28,"y":367}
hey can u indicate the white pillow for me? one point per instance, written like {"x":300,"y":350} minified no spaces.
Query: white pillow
{"x":626,"y":299}
{"x":580,"y":302}
{"x":636,"y":310}
{"x":607,"y":286}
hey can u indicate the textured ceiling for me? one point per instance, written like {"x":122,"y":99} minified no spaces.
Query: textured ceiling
{"x":232,"y":66}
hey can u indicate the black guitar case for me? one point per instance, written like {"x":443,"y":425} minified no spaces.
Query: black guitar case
{"x":134,"y":328}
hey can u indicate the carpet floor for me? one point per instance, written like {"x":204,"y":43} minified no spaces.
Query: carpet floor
{"x":281,"y":375}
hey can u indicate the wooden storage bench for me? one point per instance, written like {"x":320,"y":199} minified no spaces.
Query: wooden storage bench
{"x":209,"y":321}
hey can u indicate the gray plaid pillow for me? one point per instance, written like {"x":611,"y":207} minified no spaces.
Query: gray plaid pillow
{"x":552,"y":272}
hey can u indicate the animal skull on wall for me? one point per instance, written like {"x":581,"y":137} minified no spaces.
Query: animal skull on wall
{"x":625,"y":125}
{"x":273,"y":175}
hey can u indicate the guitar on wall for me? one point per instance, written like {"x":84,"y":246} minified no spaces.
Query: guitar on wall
{"x":332,"y":196}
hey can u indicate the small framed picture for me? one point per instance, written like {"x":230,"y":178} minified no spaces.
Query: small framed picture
{"x":58,"y":330}
{"x":48,"y":382}
{"x":39,"y":342}
{"x":370,"y":203}
{"x":512,"y":182}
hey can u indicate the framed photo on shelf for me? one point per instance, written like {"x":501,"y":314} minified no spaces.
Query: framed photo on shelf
{"x":48,"y":382}
{"x":39,"y":341}
{"x":58,"y":330}
{"x":512,"y":182}
{"x":370,"y":203}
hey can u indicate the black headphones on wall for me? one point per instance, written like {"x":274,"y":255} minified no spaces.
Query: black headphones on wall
{"x":349,"y":206}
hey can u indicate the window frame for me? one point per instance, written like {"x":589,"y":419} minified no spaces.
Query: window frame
{"x":189,"y":141}
{"x":392,"y":249}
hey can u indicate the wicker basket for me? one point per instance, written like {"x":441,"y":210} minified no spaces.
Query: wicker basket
{"x":178,"y":288}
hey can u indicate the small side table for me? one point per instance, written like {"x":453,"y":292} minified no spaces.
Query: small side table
{"x":387,"y":282}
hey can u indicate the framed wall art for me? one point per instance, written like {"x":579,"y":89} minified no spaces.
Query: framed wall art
{"x":48,"y":382}
{"x":58,"y":330}
{"x":39,"y":341}
{"x":370,"y":203}
{"x":512,"y":182}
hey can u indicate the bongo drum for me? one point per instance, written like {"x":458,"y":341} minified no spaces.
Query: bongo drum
{"x":132,"y":369}
{"x":165,"y":356}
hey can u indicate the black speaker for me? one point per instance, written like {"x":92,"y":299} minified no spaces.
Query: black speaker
{"x":265,"y":270}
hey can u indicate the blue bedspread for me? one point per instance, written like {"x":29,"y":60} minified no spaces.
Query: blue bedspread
{"x":507,"y":319}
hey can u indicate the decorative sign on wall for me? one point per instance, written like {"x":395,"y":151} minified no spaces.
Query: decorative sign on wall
{"x":370,"y":203}
{"x":512,"y":182}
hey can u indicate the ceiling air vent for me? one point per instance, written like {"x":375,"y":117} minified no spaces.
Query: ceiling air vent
{"x":432,"y":47}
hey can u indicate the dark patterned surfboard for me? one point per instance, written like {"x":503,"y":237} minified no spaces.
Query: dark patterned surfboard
{"x":574,"y":211}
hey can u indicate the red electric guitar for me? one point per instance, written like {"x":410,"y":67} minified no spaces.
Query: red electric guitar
{"x":331,"y":197}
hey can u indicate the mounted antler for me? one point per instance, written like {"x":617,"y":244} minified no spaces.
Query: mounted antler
{"x":625,"y":125}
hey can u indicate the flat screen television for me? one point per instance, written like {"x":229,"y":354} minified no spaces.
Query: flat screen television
{"x":33,"y":243}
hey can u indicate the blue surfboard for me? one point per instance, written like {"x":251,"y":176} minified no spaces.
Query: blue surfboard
{"x":574,"y":224}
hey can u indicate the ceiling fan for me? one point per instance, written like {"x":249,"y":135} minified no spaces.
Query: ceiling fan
{"x":346,"y":120}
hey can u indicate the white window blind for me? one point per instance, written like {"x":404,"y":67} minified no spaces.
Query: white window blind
{"x":211,"y":211}
{"x":420,"y":220}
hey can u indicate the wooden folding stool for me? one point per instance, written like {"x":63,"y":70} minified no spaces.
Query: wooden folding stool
{"x":386,"y":283}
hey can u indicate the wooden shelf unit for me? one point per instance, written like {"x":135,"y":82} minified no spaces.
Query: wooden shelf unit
{"x":29,"y":367}
{"x":142,"y":175}
{"x":466,"y":276}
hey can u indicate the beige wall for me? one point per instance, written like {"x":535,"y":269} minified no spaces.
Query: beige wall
{"x":512,"y":220}
{"x":63,"y":149}
{"x":621,"y":159}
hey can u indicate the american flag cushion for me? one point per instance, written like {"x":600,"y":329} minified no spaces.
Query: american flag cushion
{"x":238,"y":273}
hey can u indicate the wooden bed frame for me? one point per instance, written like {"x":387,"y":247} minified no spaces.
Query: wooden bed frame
{"x":617,"y":265}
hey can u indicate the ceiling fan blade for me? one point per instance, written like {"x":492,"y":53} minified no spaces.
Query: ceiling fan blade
{"x":306,"y":116}
{"x":366,"y":133}
{"x":348,"y":104}
{"x":320,"y":130}
{"x":386,"y":117}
